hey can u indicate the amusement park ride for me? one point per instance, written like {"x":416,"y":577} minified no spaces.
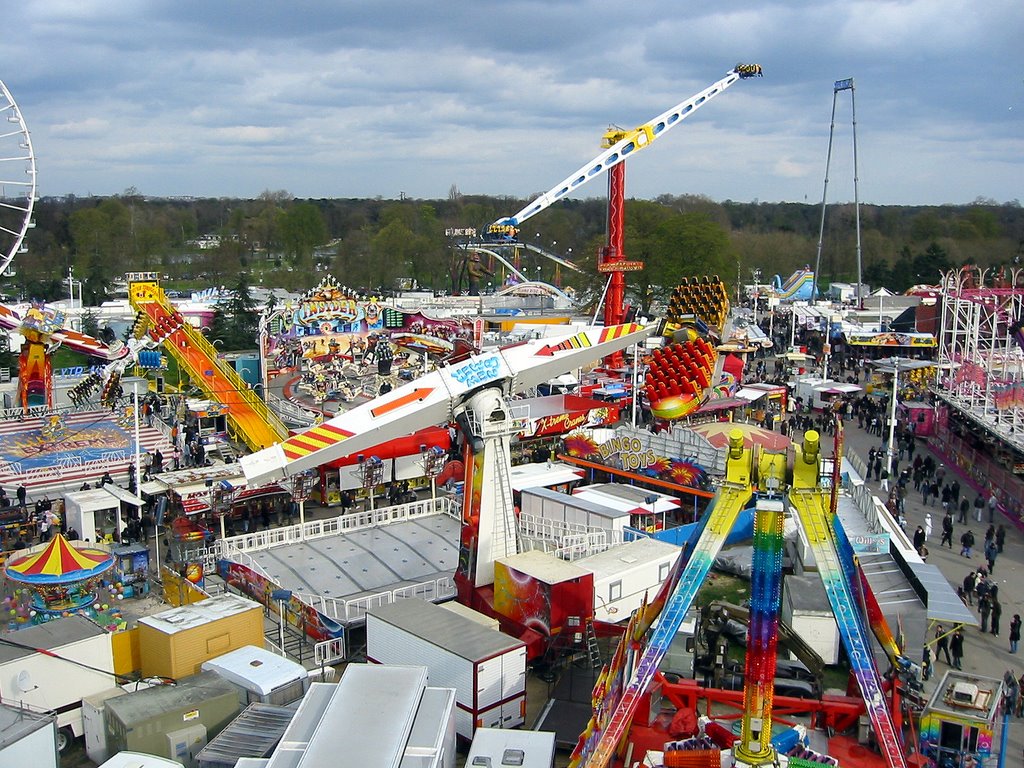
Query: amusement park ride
{"x":618,"y":146}
{"x":478,"y":395}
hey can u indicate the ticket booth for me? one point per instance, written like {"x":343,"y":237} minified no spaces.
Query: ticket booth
{"x":131,"y":565}
{"x":959,"y":723}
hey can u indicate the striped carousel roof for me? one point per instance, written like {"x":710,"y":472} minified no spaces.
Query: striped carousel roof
{"x":59,"y":562}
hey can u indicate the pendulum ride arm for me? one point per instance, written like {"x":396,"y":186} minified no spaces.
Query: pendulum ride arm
{"x":630,"y":143}
{"x":811,"y":504}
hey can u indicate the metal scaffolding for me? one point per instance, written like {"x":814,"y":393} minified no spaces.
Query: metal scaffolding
{"x":981,"y":348}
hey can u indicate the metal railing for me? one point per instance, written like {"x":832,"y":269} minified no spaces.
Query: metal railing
{"x":354,"y":610}
{"x":354,"y":521}
{"x":289,"y":411}
{"x":329,"y":652}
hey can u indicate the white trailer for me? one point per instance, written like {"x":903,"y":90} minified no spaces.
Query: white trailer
{"x":27,"y":738}
{"x":78,"y":662}
{"x":547,"y":475}
{"x":623,"y":574}
{"x":486,"y":668}
{"x":629,"y":498}
{"x":496,"y":747}
{"x":261,"y":676}
{"x":575,"y":510}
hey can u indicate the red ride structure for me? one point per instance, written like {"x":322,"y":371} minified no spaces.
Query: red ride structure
{"x":618,"y":145}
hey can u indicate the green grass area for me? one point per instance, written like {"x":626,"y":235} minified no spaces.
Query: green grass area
{"x":723,"y":586}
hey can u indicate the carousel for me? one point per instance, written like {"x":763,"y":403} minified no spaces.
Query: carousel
{"x":61,"y":578}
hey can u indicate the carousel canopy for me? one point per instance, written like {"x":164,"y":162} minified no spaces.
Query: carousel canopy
{"x":59,"y":563}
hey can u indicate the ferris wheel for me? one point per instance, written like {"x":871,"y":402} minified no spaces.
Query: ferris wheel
{"x":17,"y":180}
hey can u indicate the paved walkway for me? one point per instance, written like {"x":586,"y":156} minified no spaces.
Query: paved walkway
{"x":984,"y":653}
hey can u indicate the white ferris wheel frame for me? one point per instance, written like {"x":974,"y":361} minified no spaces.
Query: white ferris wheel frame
{"x":24,"y":201}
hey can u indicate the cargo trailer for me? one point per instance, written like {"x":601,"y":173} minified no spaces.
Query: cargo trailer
{"x":77,"y":661}
{"x":486,"y":668}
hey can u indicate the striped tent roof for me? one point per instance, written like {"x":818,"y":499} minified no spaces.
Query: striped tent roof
{"x":59,"y":562}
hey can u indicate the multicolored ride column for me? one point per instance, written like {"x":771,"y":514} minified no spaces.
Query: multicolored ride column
{"x":754,"y":746}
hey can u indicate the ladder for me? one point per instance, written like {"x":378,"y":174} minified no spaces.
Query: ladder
{"x":506,"y":526}
{"x":593,"y":649}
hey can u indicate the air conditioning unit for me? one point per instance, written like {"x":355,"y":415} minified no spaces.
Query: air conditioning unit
{"x":965,"y":693}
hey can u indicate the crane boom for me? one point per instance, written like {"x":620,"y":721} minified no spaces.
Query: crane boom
{"x":630,"y":143}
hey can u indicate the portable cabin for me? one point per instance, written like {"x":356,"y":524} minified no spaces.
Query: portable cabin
{"x":543,"y":595}
{"x":175,"y":643}
{"x":94,"y":724}
{"x":625,"y":573}
{"x":574,"y":510}
{"x":173,"y":721}
{"x":97,"y":513}
{"x":549,"y":474}
{"x":55,"y":666}
{"x":646,"y":508}
{"x":139,"y":760}
{"x":960,"y":720}
{"x":343,"y":724}
{"x":805,"y":607}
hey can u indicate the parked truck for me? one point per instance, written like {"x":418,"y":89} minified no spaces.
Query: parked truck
{"x":52,"y":667}
{"x":486,"y":668}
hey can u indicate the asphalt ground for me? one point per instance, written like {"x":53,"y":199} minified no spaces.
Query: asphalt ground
{"x":984,"y":653}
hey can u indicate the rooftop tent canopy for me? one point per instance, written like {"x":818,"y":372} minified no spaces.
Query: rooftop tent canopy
{"x":889,"y":364}
{"x":122,"y":495}
{"x":59,"y":563}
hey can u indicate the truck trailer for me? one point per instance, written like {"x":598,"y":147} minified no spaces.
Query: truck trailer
{"x":486,"y":668}
{"x":54,"y":666}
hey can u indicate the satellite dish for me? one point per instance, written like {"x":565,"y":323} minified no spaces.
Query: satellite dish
{"x":24,"y":681}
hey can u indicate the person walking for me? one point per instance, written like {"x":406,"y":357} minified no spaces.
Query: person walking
{"x":966,"y":543}
{"x":984,"y":608}
{"x":990,"y":554}
{"x":927,"y":525}
{"x":942,"y":644}
{"x":956,"y":646}
{"x":919,"y":538}
{"x":997,"y":613}
{"x":1015,"y":623}
{"x":964,"y":509}
{"x":970,"y":582}
{"x":947,"y":530}
{"x":1000,"y":538}
{"x":992,"y":502}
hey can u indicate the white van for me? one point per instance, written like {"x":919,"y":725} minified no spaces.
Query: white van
{"x":261,"y":676}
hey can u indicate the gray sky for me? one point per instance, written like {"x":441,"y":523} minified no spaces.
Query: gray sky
{"x":361,"y":99}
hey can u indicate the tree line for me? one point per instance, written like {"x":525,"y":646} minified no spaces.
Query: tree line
{"x":377,"y":245}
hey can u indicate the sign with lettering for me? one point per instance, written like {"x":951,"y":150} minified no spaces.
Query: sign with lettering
{"x":630,"y":450}
{"x":870,"y":543}
{"x":477,"y":371}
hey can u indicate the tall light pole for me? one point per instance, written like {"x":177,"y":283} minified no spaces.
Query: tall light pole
{"x":892,"y":413}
